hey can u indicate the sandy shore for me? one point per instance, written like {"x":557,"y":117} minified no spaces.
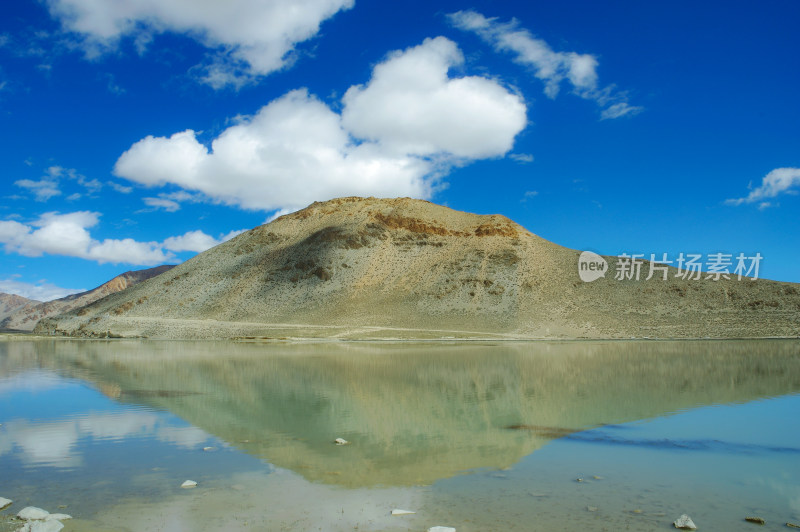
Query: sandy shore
{"x":176,"y":329}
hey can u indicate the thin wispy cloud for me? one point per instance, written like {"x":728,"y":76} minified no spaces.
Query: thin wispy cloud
{"x":43,"y":189}
{"x":776,"y":183}
{"x":553,"y":68}
{"x":49,"y":185}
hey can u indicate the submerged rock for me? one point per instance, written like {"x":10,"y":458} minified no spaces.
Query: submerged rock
{"x":685,"y":522}
{"x":756,"y":520}
{"x":189,"y":484}
{"x":50,"y":525}
{"x":340,"y":441}
{"x":5,"y":503}
{"x":32,"y":513}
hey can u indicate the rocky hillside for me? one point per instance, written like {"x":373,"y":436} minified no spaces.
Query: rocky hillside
{"x":25,"y":317}
{"x":10,"y":303}
{"x":404,"y":268}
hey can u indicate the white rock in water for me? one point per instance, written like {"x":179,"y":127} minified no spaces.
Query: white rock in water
{"x":51,"y":525}
{"x":58,"y":517}
{"x":209,"y":449}
{"x":402,"y":512}
{"x":189,"y":484}
{"x":31,"y":513}
{"x":4,"y":503}
{"x":685,"y":522}
{"x":341,"y":441}
{"x":441,"y":529}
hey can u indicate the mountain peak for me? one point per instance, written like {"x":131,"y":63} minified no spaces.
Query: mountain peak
{"x":405,"y":268}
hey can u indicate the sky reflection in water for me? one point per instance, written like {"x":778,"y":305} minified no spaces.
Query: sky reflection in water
{"x":109,"y":428}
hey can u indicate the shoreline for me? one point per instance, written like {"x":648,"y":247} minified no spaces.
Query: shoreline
{"x":25,"y":335}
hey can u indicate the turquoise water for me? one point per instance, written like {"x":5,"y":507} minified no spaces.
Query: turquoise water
{"x":506,"y":436}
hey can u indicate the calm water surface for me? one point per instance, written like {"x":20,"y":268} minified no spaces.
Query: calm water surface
{"x":473,"y":436}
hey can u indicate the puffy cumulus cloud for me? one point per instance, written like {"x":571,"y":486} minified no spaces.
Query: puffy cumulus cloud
{"x":396,"y":136}
{"x":411,"y":106}
{"x":292,"y":152}
{"x":551,"y":67}
{"x":777,"y":182}
{"x":68,"y":235}
{"x":127,"y":251}
{"x":249,"y":38}
{"x":190,"y":241}
{"x":159,"y":160}
{"x":12,"y":231}
{"x":59,"y":234}
{"x":39,"y":291}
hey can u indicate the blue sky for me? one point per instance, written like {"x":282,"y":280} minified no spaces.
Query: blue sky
{"x":141,"y":132}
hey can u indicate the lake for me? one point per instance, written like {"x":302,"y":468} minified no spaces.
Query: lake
{"x":616,"y":435}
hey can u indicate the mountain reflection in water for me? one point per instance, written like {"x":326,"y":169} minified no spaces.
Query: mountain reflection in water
{"x":415,"y":413}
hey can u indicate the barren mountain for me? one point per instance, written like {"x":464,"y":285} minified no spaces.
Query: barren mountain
{"x":28,"y":315}
{"x":404,"y":268}
{"x":10,"y":303}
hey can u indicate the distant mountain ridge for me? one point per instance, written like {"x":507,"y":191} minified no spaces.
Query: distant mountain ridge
{"x":405,"y":268}
{"x":26,"y":316}
{"x":10,"y":303}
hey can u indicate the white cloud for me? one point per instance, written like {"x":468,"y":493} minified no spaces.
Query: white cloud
{"x":127,"y":251}
{"x":551,"y":67}
{"x":232,"y":234}
{"x":522,"y":158}
{"x":48,"y":186}
{"x":171,"y":201}
{"x":13,"y":231}
{"x":41,"y":291}
{"x":68,"y":235}
{"x":778,"y":181}
{"x":44,"y":189}
{"x":618,"y":110}
{"x":396,"y":136}
{"x":411,"y":106}
{"x":191,"y":241}
{"x":122,"y":189}
{"x":248,"y":38}
{"x":161,"y":203}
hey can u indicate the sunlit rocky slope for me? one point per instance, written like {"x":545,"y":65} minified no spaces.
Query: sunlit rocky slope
{"x":377,"y":268}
